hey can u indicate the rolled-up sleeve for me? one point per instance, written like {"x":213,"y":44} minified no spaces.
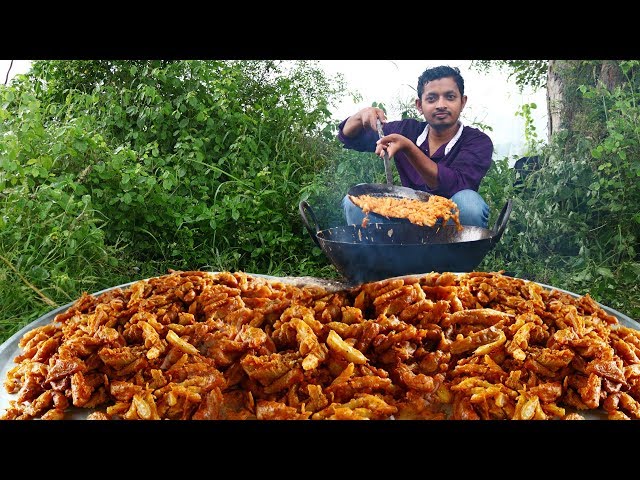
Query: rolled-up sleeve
{"x":469,"y":167}
{"x":364,"y":142}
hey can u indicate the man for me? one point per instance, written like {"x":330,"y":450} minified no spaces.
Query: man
{"x":440,"y":155}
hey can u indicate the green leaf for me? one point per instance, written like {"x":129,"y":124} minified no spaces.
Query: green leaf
{"x":605,"y":272}
{"x":80,"y":145}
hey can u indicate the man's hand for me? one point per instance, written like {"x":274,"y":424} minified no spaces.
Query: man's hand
{"x":370,"y":115}
{"x":365,"y":118}
{"x":393,"y":144}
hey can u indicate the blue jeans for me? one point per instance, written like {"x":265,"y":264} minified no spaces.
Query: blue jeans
{"x":473,"y":210}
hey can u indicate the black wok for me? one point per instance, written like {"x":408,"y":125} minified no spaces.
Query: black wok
{"x":383,"y":250}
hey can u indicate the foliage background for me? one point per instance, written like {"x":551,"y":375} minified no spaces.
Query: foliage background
{"x":113,"y":171}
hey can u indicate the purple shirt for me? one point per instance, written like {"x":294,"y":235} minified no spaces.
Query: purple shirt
{"x":463,"y":166}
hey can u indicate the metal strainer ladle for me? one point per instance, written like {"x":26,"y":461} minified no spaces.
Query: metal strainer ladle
{"x":387,"y":165}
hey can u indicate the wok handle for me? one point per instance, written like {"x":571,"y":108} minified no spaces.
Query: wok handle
{"x":304,"y":207}
{"x":501,"y":223}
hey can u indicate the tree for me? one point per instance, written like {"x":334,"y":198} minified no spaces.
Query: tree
{"x":562,"y":104}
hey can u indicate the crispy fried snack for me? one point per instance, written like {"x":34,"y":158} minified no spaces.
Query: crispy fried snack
{"x":198,"y":345}
{"x":418,"y":212}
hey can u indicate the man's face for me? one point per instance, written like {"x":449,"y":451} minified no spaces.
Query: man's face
{"x":441,"y":103}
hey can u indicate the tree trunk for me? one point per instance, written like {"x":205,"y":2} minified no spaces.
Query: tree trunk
{"x":555,"y":98}
{"x":610,"y":74}
{"x":563,"y":110}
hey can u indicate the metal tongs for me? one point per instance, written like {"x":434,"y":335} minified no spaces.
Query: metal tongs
{"x":387,"y":165}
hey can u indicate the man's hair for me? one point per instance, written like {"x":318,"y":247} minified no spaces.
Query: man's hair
{"x":437,"y":73}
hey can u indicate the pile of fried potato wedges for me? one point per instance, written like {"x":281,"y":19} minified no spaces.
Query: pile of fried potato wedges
{"x":195,"y":345}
